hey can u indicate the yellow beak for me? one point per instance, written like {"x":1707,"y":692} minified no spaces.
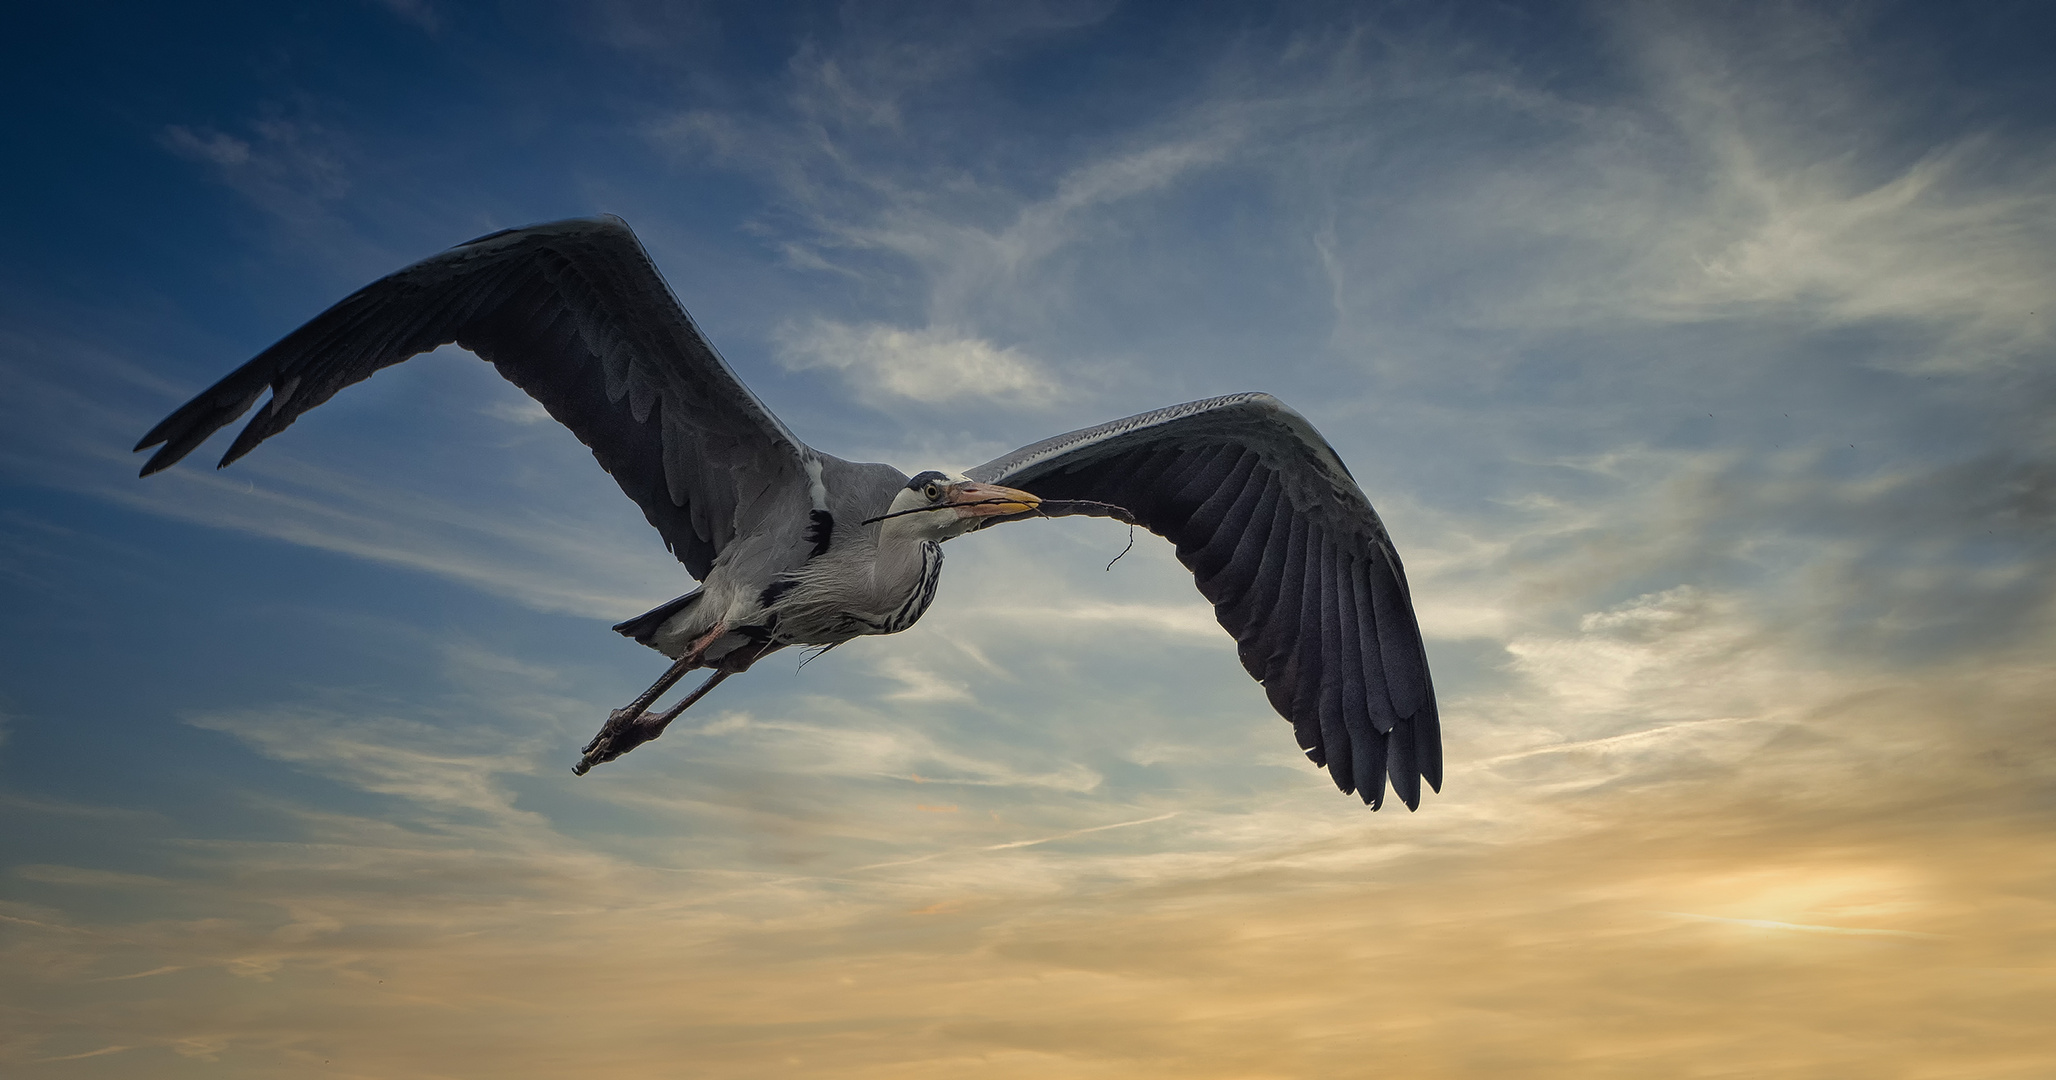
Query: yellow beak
{"x":990,"y":500}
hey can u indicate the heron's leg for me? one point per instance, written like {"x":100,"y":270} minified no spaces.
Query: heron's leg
{"x":664,"y":682}
{"x":621,"y":736}
{"x":628,"y":727}
{"x":686,"y":662}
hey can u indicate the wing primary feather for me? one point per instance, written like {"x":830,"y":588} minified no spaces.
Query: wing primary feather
{"x":183,"y":431}
{"x":1428,"y":742}
{"x":1377,"y":696}
{"x":1281,"y":625}
{"x":1319,"y":651}
{"x":1251,"y":612}
{"x":1399,"y":642}
{"x":1274,"y":642}
{"x":1300,"y":646}
{"x":1365,"y":740}
{"x":1258,"y":656}
{"x":319,"y":364}
{"x":1401,"y":766}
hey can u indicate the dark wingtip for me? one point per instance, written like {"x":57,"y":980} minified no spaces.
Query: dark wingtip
{"x":1428,"y":741}
{"x":171,"y":453}
{"x":1401,"y":764}
{"x":162,"y":431}
{"x":234,"y":452}
{"x":213,"y":409}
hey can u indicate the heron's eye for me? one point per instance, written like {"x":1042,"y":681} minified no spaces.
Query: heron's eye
{"x":933,"y":491}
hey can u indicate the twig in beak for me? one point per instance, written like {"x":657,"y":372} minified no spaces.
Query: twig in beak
{"x":1074,"y":507}
{"x":1125,"y":550}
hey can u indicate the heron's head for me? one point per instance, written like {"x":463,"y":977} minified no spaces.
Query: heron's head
{"x":937,"y":506}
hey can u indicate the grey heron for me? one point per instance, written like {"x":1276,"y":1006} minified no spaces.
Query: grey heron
{"x":793,"y":546}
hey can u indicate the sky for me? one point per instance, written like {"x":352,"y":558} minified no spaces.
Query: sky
{"x":1697,"y":356}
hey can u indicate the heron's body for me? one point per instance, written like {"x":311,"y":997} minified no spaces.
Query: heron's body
{"x":855,"y":578}
{"x":796,"y":547}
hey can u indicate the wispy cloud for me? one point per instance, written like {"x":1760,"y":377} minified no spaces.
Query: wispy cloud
{"x":1011,"y":845}
{"x":851,"y":748}
{"x":88,"y":1054}
{"x":291,"y":168}
{"x":1772,"y":924}
{"x":389,"y":756}
{"x":931,"y":365}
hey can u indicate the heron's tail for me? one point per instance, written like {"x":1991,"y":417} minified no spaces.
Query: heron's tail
{"x":643,"y":628}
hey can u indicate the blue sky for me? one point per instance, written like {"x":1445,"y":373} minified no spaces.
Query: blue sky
{"x":1698,"y":358}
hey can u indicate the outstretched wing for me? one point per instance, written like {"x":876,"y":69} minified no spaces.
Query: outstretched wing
{"x":575,"y":314}
{"x":1297,"y":565}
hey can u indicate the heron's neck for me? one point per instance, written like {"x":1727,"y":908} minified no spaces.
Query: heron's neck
{"x":905,"y":573}
{"x":903,"y":556}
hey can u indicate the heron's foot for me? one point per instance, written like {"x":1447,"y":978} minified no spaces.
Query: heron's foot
{"x":624,"y":730}
{"x":635,"y":725}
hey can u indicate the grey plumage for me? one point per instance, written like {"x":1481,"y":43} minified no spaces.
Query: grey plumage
{"x":797,"y":547}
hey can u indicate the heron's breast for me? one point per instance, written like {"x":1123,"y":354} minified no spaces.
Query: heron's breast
{"x":830,"y":608}
{"x":921,"y":593}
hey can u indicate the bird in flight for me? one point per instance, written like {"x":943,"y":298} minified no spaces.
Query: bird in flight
{"x":792,"y":546}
